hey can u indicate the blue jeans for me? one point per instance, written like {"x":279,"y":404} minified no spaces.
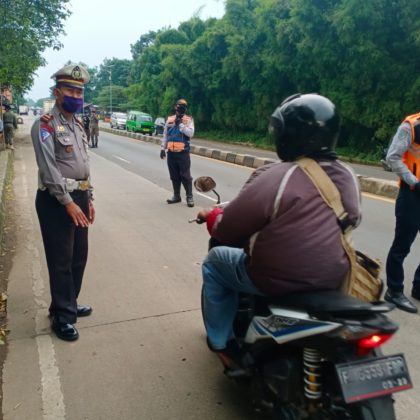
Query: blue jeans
{"x":224,"y":276}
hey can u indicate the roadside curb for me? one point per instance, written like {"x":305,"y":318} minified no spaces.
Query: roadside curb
{"x":6,"y":171}
{"x":374,"y":186}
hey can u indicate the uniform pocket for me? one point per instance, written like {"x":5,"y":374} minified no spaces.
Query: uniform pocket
{"x":64,"y":146}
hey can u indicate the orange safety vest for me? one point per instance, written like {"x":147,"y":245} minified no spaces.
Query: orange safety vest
{"x":177,"y":141}
{"x":411,"y":157}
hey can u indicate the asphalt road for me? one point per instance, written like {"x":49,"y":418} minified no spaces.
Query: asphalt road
{"x":142,"y":353}
{"x":361,"y":169}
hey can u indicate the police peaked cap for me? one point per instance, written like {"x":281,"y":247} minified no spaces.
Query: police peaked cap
{"x":73,"y":75}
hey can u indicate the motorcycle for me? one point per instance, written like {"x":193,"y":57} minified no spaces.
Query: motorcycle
{"x":317,"y":355}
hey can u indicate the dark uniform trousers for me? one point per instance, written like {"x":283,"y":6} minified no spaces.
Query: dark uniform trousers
{"x":407,"y":213}
{"x":8,"y":133}
{"x":179,"y":164}
{"x":66,"y":250}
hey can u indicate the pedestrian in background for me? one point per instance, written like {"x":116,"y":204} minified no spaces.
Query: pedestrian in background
{"x":86,"y":124}
{"x":10,"y":125}
{"x":179,"y":129}
{"x":404,"y":159}
{"x":1,"y":128}
{"x":94,"y":128}
{"x":64,"y":198}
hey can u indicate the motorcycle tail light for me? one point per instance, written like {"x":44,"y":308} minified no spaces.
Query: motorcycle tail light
{"x":365,"y":344}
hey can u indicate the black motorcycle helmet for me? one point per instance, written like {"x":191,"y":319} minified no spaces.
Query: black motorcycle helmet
{"x":305,"y":125}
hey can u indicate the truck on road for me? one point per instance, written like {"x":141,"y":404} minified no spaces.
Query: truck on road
{"x":23,"y":110}
{"x":47,"y":105}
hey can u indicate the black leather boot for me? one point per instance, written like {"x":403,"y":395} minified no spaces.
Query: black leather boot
{"x":176,"y":198}
{"x":400,"y":301}
{"x":188,"y":190}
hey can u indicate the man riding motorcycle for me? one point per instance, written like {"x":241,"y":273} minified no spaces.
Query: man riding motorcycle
{"x":278,"y":235}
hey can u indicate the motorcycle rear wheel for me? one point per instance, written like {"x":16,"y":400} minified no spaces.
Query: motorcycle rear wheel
{"x":375,"y":409}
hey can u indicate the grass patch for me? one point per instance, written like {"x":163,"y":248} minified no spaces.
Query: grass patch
{"x":244,"y":139}
{"x":265,"y":142}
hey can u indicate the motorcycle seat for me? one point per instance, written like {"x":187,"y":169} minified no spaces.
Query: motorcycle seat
{"x":332,"y":302}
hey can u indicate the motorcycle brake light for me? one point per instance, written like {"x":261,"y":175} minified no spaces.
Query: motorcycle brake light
{"x":364,"y":345}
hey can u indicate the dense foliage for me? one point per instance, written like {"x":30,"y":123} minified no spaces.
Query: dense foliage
{"x":27,"y":28}
{"x":364,"y":55}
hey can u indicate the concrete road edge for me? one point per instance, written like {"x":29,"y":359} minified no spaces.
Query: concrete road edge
{"x":374,"y":186}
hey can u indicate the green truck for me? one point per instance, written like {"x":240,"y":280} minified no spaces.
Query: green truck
{"x":140,"y":122}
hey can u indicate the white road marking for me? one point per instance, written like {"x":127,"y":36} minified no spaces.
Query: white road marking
{"x":206,"y":196}
{"x":378,"y":197}
{"x":122,"y":159}
{"x":52,"y":396}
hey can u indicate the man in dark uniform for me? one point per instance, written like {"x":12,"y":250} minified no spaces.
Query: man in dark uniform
{"x":64,"y":198}
{"x":403,"y":158}
{"x":179,"y":129}
{"x":86,"y":125}
{"x":94,"y":128}
{"x":10,"y":125}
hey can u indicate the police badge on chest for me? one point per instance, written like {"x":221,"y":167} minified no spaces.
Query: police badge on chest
{"x":64,"y":139}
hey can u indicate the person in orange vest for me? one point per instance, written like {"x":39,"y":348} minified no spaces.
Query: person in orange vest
{"x":179,"y":129}
{"x":404,"y":159}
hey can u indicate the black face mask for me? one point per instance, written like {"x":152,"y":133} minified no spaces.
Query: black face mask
{"x":180,"y":109}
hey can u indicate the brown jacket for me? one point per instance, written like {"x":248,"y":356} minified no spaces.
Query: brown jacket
{"x":289,"y":233}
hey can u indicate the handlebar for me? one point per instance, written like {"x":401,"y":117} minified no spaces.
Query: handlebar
{"x":196,"y":220}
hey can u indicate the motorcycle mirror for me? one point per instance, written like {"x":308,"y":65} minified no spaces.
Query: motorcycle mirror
{"x":204,"y":184}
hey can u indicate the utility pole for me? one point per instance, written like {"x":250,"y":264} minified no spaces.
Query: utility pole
{"x":110,"y":90}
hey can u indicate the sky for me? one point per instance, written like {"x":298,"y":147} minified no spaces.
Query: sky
{"x":99,"y":29}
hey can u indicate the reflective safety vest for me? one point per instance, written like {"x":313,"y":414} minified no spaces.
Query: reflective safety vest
{"x":411,"y":157}
{"x":177,"y":141}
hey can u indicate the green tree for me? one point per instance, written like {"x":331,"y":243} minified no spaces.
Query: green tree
{"x":28,"y":28}
{"x":234,"y":71}
{"x":112,"y":71}
{"x":115,"y":93}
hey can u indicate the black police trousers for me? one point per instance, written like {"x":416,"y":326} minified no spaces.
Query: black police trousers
{"x":407,"y":214}
{"x":179,"y":164}
{"x":66,"y":250}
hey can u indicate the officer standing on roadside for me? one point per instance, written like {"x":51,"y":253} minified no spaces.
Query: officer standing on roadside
{"x":404,"y":159}
{"x":94,"y":128}
{"x":10,"y":125}
{"x":86,"y":124}
{"x":64,"y":198}
{"x":179,"y":129}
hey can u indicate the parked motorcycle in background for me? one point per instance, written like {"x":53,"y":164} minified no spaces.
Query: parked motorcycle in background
{"x":317,"y":355}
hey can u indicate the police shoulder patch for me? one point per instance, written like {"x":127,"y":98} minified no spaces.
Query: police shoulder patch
{"x":45,"y":130}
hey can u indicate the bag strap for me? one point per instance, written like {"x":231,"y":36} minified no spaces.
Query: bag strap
{"x":328,"y":191}
{"x":332,"y":197}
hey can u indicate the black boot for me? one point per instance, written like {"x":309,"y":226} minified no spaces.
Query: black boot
{"x":188,"y":190}
{"x":176,"y":198}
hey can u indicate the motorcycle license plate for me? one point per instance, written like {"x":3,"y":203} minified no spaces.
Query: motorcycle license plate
{"x":372,"y":378}
{"x":146,"y":129}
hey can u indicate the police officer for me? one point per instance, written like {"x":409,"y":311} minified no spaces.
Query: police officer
{"x":86,"y":125}
{"x":404,"y":159}
{"x":179,"y":129}
{"x":94,"y":128}
{"x":64,"y":198}
{"x":10,"y":125}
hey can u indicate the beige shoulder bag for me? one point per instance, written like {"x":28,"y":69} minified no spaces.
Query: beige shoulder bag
{"x":363,"y":281}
